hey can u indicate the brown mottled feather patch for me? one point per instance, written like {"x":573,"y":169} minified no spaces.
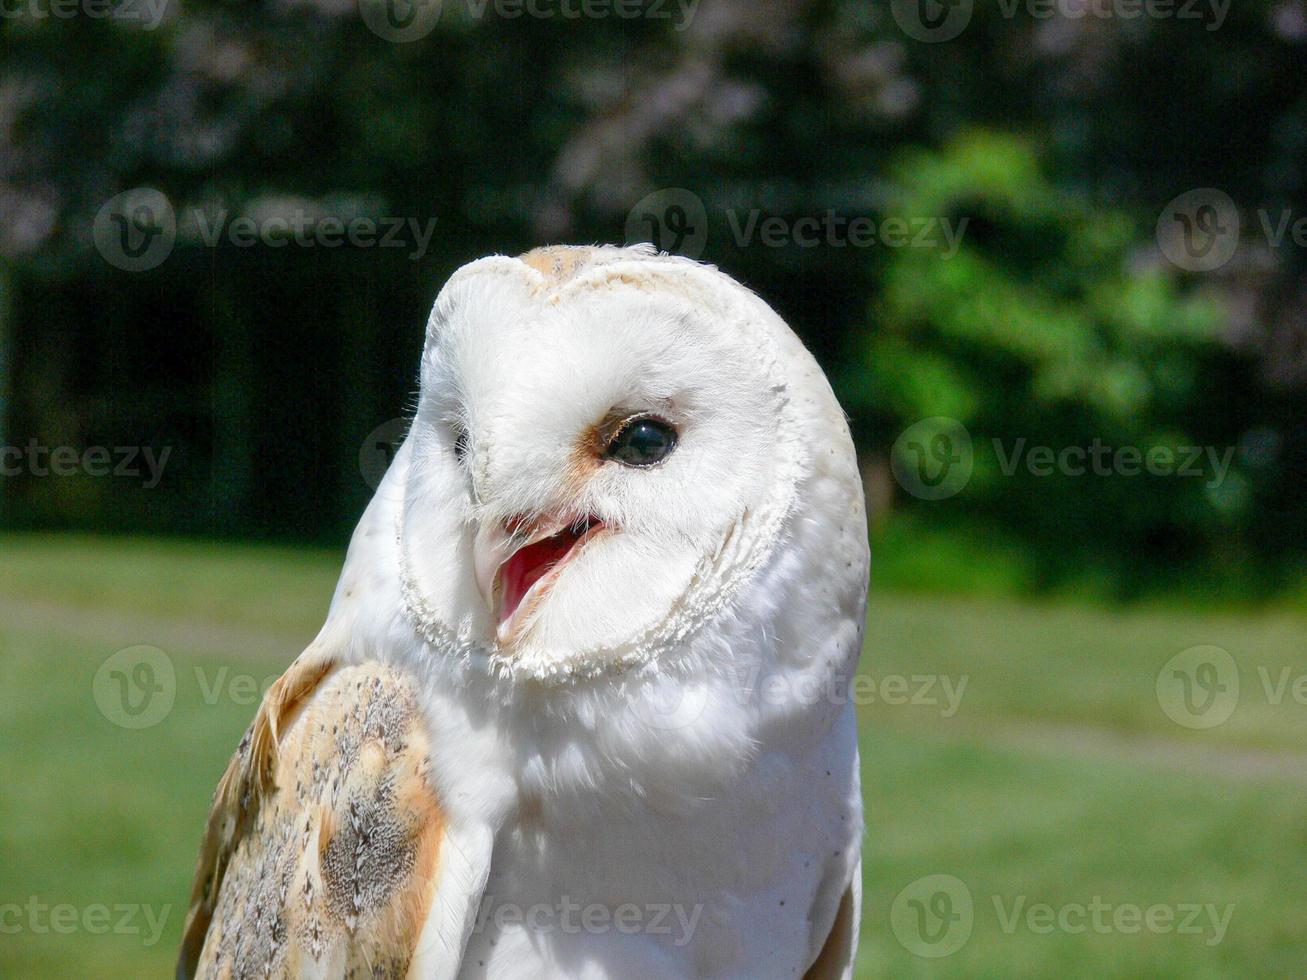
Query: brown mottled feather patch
{"x":323,"y":863}
{"x":558,"y":263}
{"x":239,"y":794}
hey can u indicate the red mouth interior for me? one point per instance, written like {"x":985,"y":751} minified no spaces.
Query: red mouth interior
{"x":529,"y":565}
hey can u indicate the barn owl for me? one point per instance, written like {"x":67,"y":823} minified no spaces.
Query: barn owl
{"x":579,"y":707}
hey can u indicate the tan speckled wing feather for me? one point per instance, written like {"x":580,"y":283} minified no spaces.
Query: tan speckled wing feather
{"x":324,"y":842}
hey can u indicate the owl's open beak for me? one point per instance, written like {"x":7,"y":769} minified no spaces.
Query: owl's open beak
{"x":517,"y":561}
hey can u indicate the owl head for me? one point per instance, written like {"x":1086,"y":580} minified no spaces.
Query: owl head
{"x":607,"y":444}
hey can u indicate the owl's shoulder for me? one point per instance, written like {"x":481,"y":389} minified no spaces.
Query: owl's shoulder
{"x":324,"y":843}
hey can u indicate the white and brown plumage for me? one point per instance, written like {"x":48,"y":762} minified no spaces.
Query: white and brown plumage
{"x":589,"y":650}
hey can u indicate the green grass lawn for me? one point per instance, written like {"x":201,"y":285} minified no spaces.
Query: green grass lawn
{"x":1057,"y":782}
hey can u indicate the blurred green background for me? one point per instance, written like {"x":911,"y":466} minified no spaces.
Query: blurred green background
{"x":1050,"y":252}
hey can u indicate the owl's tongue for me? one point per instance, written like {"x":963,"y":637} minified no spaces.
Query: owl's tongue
{"x":530,"y":564}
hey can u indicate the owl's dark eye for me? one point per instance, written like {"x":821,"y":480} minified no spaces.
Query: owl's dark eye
{"x":460,"y":445}
{"x":641,"y":441}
